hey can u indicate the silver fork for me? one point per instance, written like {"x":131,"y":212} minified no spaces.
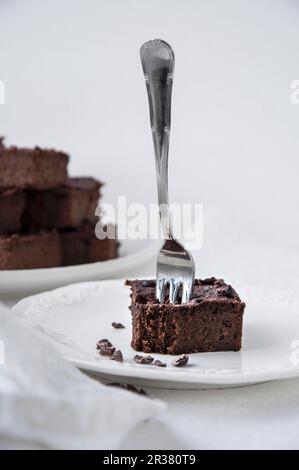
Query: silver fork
{"x":175,"y":265}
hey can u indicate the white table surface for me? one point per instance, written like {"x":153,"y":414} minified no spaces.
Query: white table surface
{"x":256,"y":417}
{"x":73,"y":81}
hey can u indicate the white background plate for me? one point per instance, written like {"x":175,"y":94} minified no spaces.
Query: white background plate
{"x":26,"y":282}
{"x":75,"y":317}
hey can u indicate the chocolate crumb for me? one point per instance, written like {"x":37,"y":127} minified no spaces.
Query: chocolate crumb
{"x":143,"y":359}
{"x":159,"y":363}
{"x":103,"y":343}
{"x":228,"y":291}
{"x":197,"y":300}
{"x":129,"y":387}
{"x":104,"y":340}
{"x":107,"y":351}
{"x":148,"y":283}
{"x":209,"y":281}
{"x":117,"y":326}
{"x":117,"y":356}
{"x":181,"y":361}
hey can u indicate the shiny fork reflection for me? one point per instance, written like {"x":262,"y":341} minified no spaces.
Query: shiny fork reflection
{"x":175,"y":265}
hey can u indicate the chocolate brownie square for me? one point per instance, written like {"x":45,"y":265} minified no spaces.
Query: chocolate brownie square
{"x":35,"y":168}
{"x":63,"y":207}
{"x":210,"y":321}
{"x":12,"y":203}
{"x":30,"y":251}
{"x":82,"y":246}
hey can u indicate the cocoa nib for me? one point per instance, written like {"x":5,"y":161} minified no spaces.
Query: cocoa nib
{"x":117,"y":325}
{"x":159,"y":363}
{"x":230,"y":291}
{"x":107,"y":351}
{"x":181,"y":361}
{"x":143,"y":359}
{"x":117,"y":356}
{"x":103,"y":343}
{"x":129,"y":387}
{"x":227,"y":291}
{"x":148,"y":283}
{"x":209,"y":281}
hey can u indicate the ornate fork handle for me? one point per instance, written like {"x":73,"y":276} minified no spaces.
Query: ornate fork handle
{"x":158,"y":66}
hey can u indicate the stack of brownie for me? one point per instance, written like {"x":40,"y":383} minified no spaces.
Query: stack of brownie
{"x":47,"y":219}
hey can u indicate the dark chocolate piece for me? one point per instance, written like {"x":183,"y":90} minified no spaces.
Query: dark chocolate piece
{"x":149,"y":283}
{"x":103,"y":343}
{"x":210,"y":321}
{"x":181,"y":361}
{"x":117,"y":326}
{"x":117,"y":356}
{"x":159,"y":363}
{"x":143,"y":359}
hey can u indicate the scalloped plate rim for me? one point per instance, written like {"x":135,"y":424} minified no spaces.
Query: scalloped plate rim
{"x":151,"y":375}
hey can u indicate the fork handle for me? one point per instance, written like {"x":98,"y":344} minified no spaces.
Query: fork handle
{"x":157,"y":60}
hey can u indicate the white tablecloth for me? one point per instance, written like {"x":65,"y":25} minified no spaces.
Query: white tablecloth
{"x":46,"y":401}
{"x":261,"y":416}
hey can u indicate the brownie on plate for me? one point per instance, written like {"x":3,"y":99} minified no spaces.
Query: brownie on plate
{"x":31,"y":168}
{"x":210,"y":321}
{"x":82,"y":246}
{"x":63,"y":207}
{"x":30,"y":251}
{"x":12,"y":203}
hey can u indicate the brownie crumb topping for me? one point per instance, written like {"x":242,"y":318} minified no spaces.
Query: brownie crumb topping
{"x":227,"y":291}
{"x":14,"y":150}
{"x":205,"y":290}
{"x":209,"y":281}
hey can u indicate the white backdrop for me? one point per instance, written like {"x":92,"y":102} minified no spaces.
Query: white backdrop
{"x":74,"y":81}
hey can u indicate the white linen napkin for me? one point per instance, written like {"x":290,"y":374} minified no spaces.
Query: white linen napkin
{"x":45,"y":400}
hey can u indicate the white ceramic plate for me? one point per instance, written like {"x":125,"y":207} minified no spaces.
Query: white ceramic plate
{"x":26,"y":282}
{"x":75,"y":317}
